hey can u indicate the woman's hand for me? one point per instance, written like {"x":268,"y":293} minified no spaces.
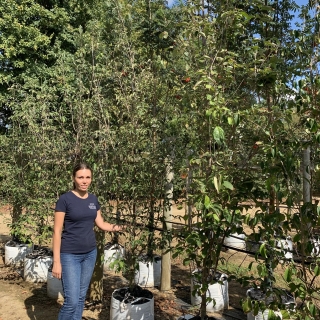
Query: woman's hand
{"x":57,"y":270}
{"x":118,"y":228}
{"x":106,"y":226}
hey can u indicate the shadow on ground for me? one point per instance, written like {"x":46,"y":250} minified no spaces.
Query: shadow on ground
{"x":40,"y":307}
{"x":4,"y":238}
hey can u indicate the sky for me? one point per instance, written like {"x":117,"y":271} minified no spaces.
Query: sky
{"x":299,"y":2}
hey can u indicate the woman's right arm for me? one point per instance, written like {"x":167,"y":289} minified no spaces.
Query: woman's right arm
{"x":56,"y":243}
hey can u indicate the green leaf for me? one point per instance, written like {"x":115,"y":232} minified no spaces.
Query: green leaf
{"x":228,"y":185}
{"x":236,"y":119}
{"x":272,"y":315}
{"x":246,"y":305}
{"x":207,"y":202}
{"x":186,"y":261}
{"x":292,"y":287}
{"x":218,"y":135}
{"x":164,"y":35}
{"x":288,"y":274}
{"x":230,"y":121}
{"x":285,"y":314}
{"x":215,"y":217}
{"x":256,"y":308}
{"x":313,"y":126}
{"x":263,"y":250}
{"x":312,"y":309}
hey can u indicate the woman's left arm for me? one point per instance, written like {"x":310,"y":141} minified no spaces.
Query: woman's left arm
{"x":106,"y":226}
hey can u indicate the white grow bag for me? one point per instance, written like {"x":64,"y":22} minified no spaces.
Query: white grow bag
{"x":36,"y":266}
{"x":112,"y":252}
{"x":264,"y":315}
{"x":186,"y":317}
{"x":236,"y":240}
{"x":149,"y":272}
{"x":137,"y":309}
{"x":54,"y":287}
{"x":218,"y":292}
{"x":15,"y":253}
{"x":286,"y":246}
{"x":316,"y":246}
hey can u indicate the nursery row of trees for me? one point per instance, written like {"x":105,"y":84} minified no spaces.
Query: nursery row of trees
{"x":223,"y":92}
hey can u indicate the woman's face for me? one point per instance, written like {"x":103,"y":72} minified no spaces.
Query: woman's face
{"x":82,"y":179}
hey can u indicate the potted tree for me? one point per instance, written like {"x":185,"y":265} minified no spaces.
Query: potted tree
{"x":132,"y":300}
{"x":215,"y":194}
{"x":264,"y":298}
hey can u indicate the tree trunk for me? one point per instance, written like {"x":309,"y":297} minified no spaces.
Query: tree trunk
{"x":204,"y":279}
{"x":15,"y":214}
{"x":167,"y":226}
{"x":272,"y":200}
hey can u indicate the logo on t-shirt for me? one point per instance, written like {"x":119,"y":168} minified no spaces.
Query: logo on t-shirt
{"x":92,"y":206}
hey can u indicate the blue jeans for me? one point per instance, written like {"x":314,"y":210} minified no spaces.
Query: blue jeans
{"x":77,"y":271}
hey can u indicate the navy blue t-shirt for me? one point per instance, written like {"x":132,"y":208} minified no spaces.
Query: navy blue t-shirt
{"x":78,"y":235}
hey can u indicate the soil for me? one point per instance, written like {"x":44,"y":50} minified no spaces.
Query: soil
{"x":21,"y":300}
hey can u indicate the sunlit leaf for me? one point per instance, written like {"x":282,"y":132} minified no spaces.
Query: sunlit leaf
{"x":228,"y":185}
{"x":246,"y":305}
{"x":288,"y":274}
{"x":216,"y":183}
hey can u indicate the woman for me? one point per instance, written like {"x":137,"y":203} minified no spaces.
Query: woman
{"x":74,"y":243}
